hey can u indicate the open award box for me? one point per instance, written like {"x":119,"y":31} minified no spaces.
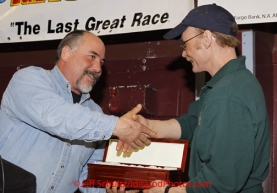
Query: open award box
{"x":163,"y":159}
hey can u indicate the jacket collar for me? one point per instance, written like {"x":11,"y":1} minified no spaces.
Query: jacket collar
{"x":228,"y":68}
{"x":63,"y":82}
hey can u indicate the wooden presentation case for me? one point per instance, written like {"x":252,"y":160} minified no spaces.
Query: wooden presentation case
{"x":163,"y":159}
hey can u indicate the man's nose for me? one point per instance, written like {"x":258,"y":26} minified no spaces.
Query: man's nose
{"x":97,"y":66}
{"x":184,"y":53}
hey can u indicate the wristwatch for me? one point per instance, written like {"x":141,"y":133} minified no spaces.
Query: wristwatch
{"x":167,"y":189}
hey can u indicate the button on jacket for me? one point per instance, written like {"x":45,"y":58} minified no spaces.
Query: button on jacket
{"x":43,"y":132}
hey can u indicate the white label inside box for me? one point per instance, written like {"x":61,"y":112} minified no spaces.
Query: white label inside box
{"x":156,"y":154}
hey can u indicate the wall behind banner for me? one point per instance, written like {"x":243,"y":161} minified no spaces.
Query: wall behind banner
{"x":144,"y":58}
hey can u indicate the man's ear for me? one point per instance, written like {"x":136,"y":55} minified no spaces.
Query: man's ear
{"x":66,"y":51}
{"x":207,"y":38}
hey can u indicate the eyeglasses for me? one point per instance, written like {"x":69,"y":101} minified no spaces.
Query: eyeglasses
{"x":183,"y":43}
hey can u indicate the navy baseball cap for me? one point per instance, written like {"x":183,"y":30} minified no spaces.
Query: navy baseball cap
{"x":209,"y":17}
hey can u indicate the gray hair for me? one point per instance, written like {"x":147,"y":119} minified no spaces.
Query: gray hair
{"x":72,"y":40}
{"x":223,"y":39}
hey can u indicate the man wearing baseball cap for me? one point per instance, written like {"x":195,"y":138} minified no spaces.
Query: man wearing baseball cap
{"x":228,"y":126}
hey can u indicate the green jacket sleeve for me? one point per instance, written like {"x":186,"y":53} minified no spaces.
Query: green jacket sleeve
{"x":188,"y":121}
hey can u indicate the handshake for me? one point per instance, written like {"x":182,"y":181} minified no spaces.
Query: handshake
{"x":133,"y":130}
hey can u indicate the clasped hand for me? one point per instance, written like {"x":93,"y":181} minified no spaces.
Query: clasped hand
{"x":132,"y":134}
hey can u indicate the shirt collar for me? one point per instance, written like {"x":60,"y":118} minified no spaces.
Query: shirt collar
{"x":228,"y":68}
{"x":63,"y":82}
{"x":61,"y":79}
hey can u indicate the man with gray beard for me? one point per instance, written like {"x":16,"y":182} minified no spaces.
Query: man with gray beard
{"x":50,"y":126}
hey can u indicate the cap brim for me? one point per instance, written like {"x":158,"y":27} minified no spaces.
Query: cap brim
{"x":175,"y":32}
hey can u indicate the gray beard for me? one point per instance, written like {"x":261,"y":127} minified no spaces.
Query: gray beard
{"x":87,"y":88}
